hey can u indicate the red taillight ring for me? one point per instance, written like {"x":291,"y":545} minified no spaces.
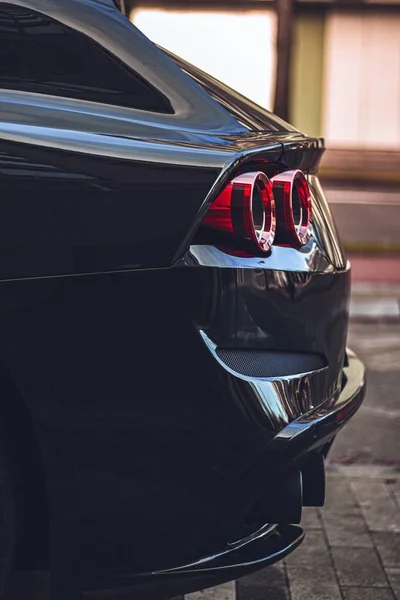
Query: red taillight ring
{"x":293,"y":208}
{"x":253,"y":209}
{"x":245,"y":209}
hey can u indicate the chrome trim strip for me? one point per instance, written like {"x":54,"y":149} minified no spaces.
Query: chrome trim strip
{"x":308,"y":259}
{"x":280,"y":400}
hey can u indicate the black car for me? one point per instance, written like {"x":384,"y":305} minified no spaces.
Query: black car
{"x":174,"y":310}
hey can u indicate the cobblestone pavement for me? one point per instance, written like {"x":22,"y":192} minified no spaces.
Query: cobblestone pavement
{"x":351,"y":550}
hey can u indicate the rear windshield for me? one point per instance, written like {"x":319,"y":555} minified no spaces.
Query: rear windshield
{"x":42,"y":55}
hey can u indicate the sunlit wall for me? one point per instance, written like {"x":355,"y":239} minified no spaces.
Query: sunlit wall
{"x":236,"y":47}
{"x":362,"y":80}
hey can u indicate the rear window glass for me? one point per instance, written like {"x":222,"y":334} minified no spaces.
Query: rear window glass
{"x":39,"y":54}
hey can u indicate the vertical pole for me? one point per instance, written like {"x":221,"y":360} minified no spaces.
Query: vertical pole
{"x":285,"y":12}
{"x":129,"y":6}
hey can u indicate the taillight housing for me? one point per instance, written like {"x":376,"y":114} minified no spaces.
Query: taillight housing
{"x":293,"y":208}
{"x":245,"y":210}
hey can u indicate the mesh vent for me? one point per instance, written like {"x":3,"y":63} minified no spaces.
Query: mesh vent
{"x":267,"y":363}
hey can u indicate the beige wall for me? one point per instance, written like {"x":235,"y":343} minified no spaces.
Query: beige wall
{"x":307,"y":72}
{"x":362,"y":80}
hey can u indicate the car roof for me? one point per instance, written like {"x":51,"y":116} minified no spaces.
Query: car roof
{"x":100,"y":20}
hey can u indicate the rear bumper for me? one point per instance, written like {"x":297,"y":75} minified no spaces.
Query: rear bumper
{"x":307,"y":434}
{"x":317,"y":427}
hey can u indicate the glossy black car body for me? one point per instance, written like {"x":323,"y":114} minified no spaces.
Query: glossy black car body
{"x":165,"y":396}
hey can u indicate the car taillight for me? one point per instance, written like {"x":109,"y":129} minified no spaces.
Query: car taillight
{"x":245,"y":209}
{"x":293,"y":208}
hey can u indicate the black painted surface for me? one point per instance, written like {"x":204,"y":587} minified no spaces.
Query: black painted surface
{"x":142,"y":451}
{"x":69,"y":215}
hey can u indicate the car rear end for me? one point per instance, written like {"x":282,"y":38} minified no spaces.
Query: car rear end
{"x":251,"y":355}
{"x":262,"y":303}
{"x":183,"y":318}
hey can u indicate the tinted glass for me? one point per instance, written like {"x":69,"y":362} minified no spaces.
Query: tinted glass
{"x":39,"y":54}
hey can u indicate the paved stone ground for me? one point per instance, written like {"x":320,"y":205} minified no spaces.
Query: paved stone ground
{"x":351,"y":550}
